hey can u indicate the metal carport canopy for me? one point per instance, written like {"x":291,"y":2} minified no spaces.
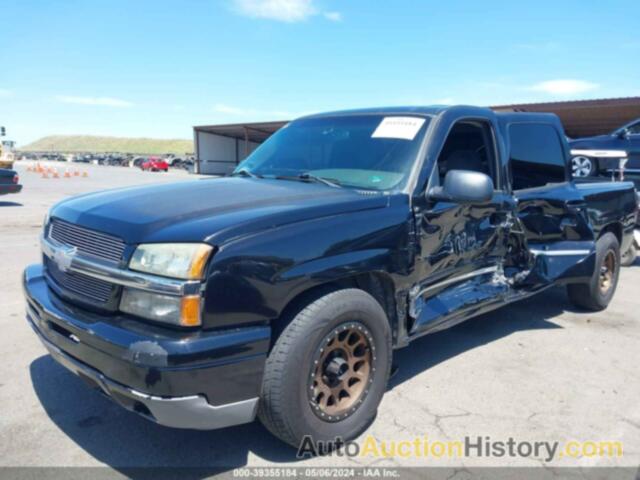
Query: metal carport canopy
{"x":253,"y":132}
{"x":582,"y":118}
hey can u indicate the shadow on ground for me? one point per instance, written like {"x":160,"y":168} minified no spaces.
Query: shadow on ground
{"x":123,"y":440}
{"x":10,"y":204}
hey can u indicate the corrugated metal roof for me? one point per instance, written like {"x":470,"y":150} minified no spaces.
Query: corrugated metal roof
{"x":580,"y":118}
{"x":583,"y":118}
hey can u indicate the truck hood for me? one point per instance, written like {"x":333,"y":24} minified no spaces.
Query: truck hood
{"x":210,"y":210}
{"x":600,"y":142}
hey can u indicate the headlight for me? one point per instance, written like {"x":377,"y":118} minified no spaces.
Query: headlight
{"x":182,"y":311}
{"x":175,"y":260}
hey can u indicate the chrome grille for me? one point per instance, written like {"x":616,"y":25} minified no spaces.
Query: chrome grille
{"x":88,"y":242}
{"x":92,"y":288}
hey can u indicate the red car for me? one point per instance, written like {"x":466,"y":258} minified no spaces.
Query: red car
{"x":155,"y":164}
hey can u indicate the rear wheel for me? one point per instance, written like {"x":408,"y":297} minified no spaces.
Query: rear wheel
{"x":598,"y":292}
{"x":328,"y":370}
{"x":582,"y":166}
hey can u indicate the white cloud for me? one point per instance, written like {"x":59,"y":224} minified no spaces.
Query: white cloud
{"x":333,"y":16}
{"x":4,"y":93}
{"x":564,"y":87}
{"x":99,"y":101}
{"x":282,"y":10}
{"x":251,"y":113}
{"x":289,"y":11}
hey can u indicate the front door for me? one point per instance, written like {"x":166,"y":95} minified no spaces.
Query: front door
{"x":460,"y":245}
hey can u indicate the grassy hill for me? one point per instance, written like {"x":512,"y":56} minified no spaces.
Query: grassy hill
{"x":89,"y":143}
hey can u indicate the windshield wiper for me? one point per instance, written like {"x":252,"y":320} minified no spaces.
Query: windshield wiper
{"x":245,"y":173}
{"x":307,"y":177}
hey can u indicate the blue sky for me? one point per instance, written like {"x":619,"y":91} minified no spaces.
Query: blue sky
{"x":156,"y":68}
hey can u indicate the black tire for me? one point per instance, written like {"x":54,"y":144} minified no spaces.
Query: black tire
{"x":286,"y":407}
{"x":629,"y":256}
{"x":591,"y":295}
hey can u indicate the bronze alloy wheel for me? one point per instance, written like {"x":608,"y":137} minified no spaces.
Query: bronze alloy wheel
{"x":607,"y":272}
{"x":342,"y":372}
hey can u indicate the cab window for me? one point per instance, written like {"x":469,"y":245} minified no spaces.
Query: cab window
{"x":536,"y":156}
{"x":469,"y":146}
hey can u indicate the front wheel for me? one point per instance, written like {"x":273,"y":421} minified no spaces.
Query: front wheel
{"x":597,"y":293}
{"x":582,"y":167}
{"x":328,"y":370}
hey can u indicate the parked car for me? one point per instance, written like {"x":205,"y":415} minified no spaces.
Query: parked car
{"x":137,"y":161}
{"x":9,"y":182}
{"x":187,"y":164}
{"x":175,"y":162}
{"x":155,"y":164}
{"x":83,"y":158}
{"x":285,"y":288}
{"x":593,"y":154}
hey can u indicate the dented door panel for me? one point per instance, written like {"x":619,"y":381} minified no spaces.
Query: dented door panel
{"x":558,"y":234}
{"x":456,"y":237}
{"x":553,"y":213}
{"x":460,"y":247}
{"x":433,"y":306}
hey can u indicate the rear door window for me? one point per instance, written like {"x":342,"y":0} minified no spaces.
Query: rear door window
{"x":536,"y":157}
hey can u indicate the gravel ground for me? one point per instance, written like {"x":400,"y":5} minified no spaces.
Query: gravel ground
{"x":534,"y":371}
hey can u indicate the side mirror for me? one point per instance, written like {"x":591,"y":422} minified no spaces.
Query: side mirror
{"x":463,"y":186}
{"x":623,"y":133}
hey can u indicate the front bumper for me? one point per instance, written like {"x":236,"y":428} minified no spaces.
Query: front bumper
{"x":200,"y":380}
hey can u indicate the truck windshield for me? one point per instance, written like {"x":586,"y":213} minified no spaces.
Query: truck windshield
{"x":373,"y":152}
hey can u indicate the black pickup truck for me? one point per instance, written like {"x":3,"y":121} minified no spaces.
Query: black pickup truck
{"x":282,"y":291}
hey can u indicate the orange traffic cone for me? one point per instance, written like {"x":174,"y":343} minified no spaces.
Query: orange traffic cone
{"x":76,"y":173}
{"x":67,"y":174}
{"x":45,"y":175}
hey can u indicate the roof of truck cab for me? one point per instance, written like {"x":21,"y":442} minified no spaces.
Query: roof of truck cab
{"x":429,"y":111}
{"x":260,"y":131}
{"x":435,"y":110}
{"x":527,"y":116}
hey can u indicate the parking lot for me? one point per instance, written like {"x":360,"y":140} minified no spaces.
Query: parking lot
{"x":534,"y":371}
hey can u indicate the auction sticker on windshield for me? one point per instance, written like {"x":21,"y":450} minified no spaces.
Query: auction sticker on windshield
{"x":404,"y":128}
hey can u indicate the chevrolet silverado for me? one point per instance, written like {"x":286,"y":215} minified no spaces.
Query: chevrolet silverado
{"x":281,"y":291}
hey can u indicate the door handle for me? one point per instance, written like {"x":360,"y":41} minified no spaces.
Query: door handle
{"x":575,"y":206}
